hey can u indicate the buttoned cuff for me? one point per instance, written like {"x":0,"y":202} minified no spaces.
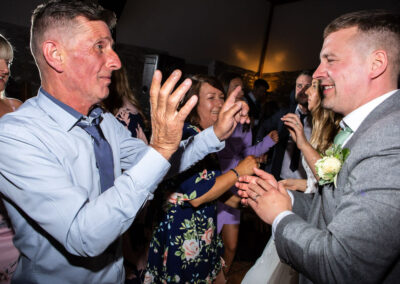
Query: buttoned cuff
{"x":149,"y":171}
{"x":212,"y":139}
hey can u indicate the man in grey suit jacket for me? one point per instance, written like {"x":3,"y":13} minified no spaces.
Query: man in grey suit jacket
{"x":349,"y":233}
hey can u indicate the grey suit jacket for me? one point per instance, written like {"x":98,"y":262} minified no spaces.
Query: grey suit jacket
{"x":351,"y":234}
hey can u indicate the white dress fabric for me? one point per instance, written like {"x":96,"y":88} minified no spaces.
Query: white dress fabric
{"x":312,"y":183}
{"x":268,"y":269}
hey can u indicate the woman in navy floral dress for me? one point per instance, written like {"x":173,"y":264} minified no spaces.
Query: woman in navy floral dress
{"x":185,"y":247}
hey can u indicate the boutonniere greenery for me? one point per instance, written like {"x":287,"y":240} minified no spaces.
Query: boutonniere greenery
{"x":330,"y":164}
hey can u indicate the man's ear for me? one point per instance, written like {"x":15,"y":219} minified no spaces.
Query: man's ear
{"x":52,"y":53}
{"x":378,"y":63}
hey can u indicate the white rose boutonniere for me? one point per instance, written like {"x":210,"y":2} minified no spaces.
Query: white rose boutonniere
{"x":330,"y":164}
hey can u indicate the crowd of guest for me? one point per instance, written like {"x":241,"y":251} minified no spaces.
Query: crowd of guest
{"x":93,"y":190}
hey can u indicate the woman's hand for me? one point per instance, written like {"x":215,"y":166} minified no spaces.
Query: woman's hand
{"x":294,"y":184}
{"x":274,"y":136}
{"x":246,"y":166}
{"x":296,"y":130}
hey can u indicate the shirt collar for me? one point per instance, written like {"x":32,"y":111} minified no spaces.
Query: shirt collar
{"x":357,"y":116}
{"x":64,"y":115}
{"x":298,"y":110}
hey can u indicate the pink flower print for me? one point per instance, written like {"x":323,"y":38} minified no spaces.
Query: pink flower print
{"x":191,"y":249}
{"x":176,"y":198}
{"x":207,"y":236}
{"x":148,"y":278}
{"x":204,"y":174}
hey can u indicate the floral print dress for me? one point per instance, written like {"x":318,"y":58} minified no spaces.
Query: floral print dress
{"x":185,"y":247}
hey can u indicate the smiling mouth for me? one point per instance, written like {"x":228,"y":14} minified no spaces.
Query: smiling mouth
{"x":327,"y":88}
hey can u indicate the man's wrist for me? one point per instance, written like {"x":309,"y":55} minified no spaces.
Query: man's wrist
{"x":277,"y":219}
{"x":217,"y":132}
{"x":165,"y":152}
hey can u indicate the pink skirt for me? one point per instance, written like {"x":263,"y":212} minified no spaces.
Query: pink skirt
{"x":9,"y":254}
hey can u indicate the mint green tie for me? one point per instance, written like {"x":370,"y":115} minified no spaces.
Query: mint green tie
{"x":342,"y":136}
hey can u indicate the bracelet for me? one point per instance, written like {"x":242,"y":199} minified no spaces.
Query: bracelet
{"x":236,"y":173}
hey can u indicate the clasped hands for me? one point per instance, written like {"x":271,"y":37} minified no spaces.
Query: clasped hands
{"x":167,"y":122}
{"x":264,"y":195}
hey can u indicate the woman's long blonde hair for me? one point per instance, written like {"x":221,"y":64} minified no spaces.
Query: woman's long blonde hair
{"x":325,"y":126}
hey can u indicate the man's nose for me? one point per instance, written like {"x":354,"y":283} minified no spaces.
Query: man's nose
{"x":319,"y":72}
{"x":113,"y":62}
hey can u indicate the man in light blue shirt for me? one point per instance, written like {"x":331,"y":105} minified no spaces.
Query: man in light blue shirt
{"x":67,"y":230}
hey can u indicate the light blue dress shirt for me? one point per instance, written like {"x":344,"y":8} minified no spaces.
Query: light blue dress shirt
{"x":66,"y":230}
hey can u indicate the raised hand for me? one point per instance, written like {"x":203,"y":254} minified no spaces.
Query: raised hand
{"x":230,"y":115}
{"x":246,"y":166}
{"x":264,"y":195}
{"x":274,"y":136}
{"x":166,"y":121}
{"x":296,"y":129}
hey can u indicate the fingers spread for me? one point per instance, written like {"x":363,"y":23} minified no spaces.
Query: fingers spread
{"x":155,"y":88}
{"x":187,"y":108}
{"x":176,"y":97}
{"x":167,"y":88}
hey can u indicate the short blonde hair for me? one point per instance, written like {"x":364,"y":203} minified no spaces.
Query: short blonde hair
{"x":6,"y":49}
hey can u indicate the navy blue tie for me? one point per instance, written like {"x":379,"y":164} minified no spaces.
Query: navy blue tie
{"x":102,"y":150}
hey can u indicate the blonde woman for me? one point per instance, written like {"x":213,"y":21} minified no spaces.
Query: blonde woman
{"x":9,"y":254}
{"x":325,"y":127}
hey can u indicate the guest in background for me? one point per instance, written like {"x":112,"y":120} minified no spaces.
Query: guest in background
{"x":124,"y":105}
{"x":237,"y":147}
{"x":284,"y":161}
{"x":256,"y":99}
{"x":6,"y":58}
{"x":185,"y":246}
{"x":325,"y":126}
{"x":8,"y":253}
